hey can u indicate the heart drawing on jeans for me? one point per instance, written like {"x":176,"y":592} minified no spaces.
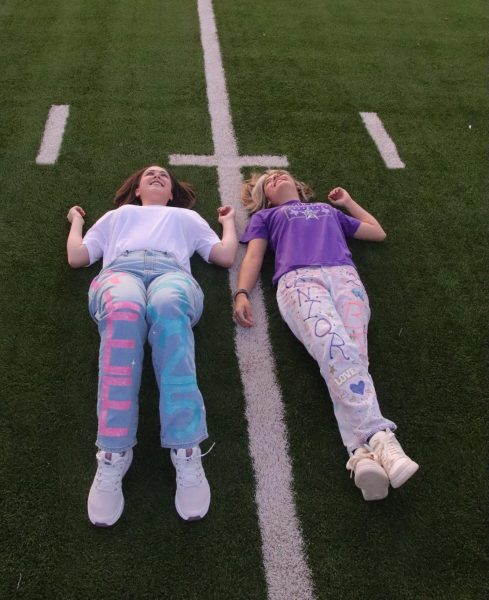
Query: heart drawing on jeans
{"x":358,"y":388}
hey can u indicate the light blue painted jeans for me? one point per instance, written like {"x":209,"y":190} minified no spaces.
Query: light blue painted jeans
{"x":146,"y":295}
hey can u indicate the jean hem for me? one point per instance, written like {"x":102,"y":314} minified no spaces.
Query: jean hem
{"x":105,"y":448}
{"x":184,"y":445}
{"x":364,"y":439}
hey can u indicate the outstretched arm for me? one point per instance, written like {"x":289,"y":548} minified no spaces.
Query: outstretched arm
{"x":77,"y":252}
{"x":248,"y":274}
{"x":370,"y":229}
{"x":224,"y":253}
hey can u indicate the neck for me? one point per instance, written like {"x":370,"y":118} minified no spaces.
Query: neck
{"x":285,"y":198}
{"x":154,"y":202}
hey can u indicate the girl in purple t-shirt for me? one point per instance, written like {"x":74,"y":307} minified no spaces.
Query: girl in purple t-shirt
{"x":323,"y":301}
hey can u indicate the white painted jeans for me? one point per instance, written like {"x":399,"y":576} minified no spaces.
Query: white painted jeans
{"x":327,"y":309}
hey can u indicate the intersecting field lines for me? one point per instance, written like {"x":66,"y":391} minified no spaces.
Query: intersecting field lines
{"x":286,"y":570}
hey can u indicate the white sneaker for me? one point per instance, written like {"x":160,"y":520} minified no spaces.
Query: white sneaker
{"x":193,"y":495}
{"x":398,"y":466}
{"x":105,"y":500}
{"x":370,"y":477}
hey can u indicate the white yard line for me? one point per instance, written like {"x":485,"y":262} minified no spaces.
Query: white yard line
{"x":53,"y":134}
{"x":382,"y":140}
{"x":287,"y":574}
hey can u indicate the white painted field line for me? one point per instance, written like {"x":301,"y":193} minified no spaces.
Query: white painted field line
{"x":53,"y":134}
{"x":287,"y":574}
{"x":229,"y":161}
{"x":382,"y":140}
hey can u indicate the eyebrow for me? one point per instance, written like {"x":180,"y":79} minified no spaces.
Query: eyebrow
{"x":270,"y":175}
{"x":162,"y":171}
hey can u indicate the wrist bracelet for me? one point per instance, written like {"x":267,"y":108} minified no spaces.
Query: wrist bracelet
{"x":241,"y":291}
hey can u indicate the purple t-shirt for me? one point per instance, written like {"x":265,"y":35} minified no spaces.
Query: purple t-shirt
{"x":303,"y":235}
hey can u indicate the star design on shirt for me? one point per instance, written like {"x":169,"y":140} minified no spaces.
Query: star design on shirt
{"x":310,"y":214}
{"x":332,"y":370}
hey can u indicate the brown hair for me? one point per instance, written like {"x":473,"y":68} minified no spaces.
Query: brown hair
{"x":183,"y":193}
{"x":253,"y":191}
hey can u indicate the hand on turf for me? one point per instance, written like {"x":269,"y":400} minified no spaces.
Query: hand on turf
{"x":225,"y":213}
{"x":339,"y":197}
{"x":76,"y":212}
{"x":243,"y":315}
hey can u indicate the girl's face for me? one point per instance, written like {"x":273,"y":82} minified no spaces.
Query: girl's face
{"x":154,"y":187}
{"x":280,"y":187}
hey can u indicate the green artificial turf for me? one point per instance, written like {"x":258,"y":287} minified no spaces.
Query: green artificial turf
{"x":421,"y":68}
{"x":298,"y":75}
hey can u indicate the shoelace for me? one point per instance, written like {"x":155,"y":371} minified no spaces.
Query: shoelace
{"x":189,"y":469}
{"x":109,"y":476}
{"x":362,"y":453}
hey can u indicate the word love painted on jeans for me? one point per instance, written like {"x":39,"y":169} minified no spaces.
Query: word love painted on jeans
{"x":345,"y":376}
{"x":356,"y":388}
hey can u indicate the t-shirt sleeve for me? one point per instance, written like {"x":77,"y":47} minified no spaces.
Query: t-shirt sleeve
{"x":348,"y":224}
{"x":257,"y":228}
{"x":96,"y":238}
{"x":205,"y":237}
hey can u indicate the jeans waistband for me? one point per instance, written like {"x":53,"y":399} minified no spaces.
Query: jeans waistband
{"x":148,"y":260}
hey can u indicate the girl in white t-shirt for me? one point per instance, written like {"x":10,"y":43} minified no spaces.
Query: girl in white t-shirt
{"x":322,"y":299}
{"x":145,"y":291}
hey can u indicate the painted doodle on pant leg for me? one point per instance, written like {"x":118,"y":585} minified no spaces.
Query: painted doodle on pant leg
{"x":116,"y":381}
{"x":181,"y":403}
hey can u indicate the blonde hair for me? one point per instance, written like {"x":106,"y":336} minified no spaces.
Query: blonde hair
{"x":253,"y":191}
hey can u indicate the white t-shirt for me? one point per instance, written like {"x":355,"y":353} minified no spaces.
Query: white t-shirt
{"x":179,"y":231}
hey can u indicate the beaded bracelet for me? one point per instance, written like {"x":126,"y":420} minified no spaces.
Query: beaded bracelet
{"x":241,"y":291}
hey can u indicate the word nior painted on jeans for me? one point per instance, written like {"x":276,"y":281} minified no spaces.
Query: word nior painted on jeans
{"x":322,"y":325}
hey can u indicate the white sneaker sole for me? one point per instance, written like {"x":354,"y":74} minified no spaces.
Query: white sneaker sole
{"x":403,"y":472}
{"x":197,"y":516}
{"x":374,"y":483}
{"x":108,"y":521}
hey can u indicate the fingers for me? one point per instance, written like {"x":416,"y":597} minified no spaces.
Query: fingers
{"x":243,"y":315}
{"x":77,"y":209}
{"x":225,"y":211}
{"x":335,"y":194}
{"x":242,"y":320}
{"x":74,"y":212}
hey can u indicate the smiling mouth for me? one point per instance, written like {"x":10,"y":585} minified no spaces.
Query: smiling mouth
{"x":156,"y":183}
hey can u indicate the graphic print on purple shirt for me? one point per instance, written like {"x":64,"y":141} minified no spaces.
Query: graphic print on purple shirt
{"x":303,"y":235}
{"x":306,"y":211}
